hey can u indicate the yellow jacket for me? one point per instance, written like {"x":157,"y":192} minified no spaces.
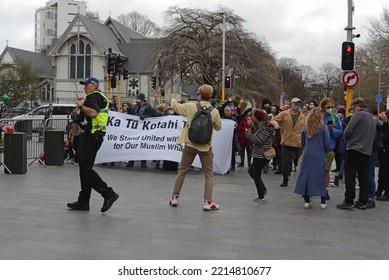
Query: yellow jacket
{"x":290,"y":135}
{"x":188,"y":110}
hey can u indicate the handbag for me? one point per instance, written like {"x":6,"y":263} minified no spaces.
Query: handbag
{"x":269,"y":154}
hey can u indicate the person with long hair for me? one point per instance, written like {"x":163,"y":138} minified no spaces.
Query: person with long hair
{"x":315,"y":141}
{"x":260,"y":134}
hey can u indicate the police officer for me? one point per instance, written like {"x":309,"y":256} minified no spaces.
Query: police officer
{"x":92,"y":121}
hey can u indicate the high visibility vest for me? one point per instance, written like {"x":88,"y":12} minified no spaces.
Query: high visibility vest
{"x":99,"y":123}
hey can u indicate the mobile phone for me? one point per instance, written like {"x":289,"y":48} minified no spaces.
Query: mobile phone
{"x":330,"y":122}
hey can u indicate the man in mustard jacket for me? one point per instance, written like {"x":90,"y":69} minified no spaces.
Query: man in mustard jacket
{"x":291,"y":123}
{"x":191,"y":149}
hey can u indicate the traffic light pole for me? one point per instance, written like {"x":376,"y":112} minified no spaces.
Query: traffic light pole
{"x":349,"y":29}
{"x":224,"y":56}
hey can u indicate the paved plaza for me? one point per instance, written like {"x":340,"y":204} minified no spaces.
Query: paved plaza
{"x":36,"y":224}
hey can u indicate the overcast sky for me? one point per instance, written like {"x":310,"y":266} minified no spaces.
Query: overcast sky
{"x":309,"y":31}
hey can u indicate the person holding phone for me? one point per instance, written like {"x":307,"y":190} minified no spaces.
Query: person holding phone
{"x":335,"y":128}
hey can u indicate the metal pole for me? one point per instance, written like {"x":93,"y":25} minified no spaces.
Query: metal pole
{"x":379,"y":74}
{"x":224,"y":56}
{"x":349,"y":29}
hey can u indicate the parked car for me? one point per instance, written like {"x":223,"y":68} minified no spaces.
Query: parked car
{"x":59,"y":119}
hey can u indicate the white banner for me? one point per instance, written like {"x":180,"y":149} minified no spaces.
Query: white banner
{"x":129,"y":138}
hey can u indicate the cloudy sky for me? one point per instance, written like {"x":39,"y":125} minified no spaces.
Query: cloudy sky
{"x":309,"y":31}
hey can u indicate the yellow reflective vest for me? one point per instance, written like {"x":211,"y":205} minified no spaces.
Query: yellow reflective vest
{"x":99,"y":123}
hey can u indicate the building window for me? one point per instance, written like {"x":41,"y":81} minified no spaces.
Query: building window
{"x":47,"y":93}
{"x":80,"y":59}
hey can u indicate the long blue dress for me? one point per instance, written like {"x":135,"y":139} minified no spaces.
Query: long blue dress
{"x":311,"y":180}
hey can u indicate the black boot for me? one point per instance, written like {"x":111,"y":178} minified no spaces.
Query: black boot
{"x":284,"y":182}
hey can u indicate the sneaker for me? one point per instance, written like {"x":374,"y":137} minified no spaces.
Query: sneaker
{"x":108,"y":202}
{"x":78,"y":206}
{"x":323,"y":205}
{"x":360,"y":205}
{"x":370,"y":204}
{"x":173,"y":202}
{"x":345,"y":205}
{"x":307,"y":205}
{"x":240,"y":165}
{"x":259,"y":200}
{"x":210,"y":205}
{"x":278,"y":172}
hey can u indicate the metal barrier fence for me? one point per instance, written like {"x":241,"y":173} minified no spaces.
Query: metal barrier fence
{"x":35,"y":130}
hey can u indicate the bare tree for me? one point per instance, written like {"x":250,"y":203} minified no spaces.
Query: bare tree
{"x":191,"y":51}
{"x":139,"y":23}
{"x":328,"y":78}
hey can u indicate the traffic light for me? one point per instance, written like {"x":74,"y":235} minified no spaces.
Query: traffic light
{"x":111,"y":64}
{"x":118,"y":65}
{"x":113,"y":81}
{"x":154,"y":82}
{"x":162,"y":92}
{"x":348,"y":49}
{"x":227,"y":82}
{"x":125,"y":74}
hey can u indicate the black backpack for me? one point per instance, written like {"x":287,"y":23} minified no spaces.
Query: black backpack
{"x":200,"y":130}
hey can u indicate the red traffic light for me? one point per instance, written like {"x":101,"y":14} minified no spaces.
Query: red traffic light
{"x":348,"y":50}
{"x":227,"y":82}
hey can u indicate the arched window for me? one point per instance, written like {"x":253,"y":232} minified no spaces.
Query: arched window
{"x":80,"y":59}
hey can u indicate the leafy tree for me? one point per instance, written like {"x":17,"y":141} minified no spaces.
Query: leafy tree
{"x":19,"y":82}
{"x":191,"y":52}
{"x":139,"y":23}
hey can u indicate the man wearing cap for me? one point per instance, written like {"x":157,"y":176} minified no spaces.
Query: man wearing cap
{"x":291,"y":122}
{"x":92,"y":121}
{"x":143,"y":109}
{"x":359,"y":136}
{"x":191,"y":150}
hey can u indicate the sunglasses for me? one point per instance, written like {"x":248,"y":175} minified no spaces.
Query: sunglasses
{"x":329,"y":106}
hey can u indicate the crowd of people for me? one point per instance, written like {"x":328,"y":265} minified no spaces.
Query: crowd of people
{"x":308,"y":135}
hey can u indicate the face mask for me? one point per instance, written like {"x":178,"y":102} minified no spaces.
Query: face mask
{"x":340,"y":115}
{"x":311,"y":107}
{"x":267,"y":106}
{"x":274,"y":110}
{"x":329,"y":111}
{"x":297,"y":107}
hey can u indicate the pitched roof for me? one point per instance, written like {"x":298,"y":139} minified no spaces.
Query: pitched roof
{"x":126,"y":34}
{"x":140,"y":55}
{"x":38,"y":61}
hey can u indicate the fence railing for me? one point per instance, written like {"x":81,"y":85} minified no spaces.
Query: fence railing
{"x":35,"y":131}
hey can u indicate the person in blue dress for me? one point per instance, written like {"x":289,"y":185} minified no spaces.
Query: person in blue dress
{"x":315,"y":141}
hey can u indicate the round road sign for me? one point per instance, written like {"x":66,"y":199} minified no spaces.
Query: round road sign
{"x":350,"y":79}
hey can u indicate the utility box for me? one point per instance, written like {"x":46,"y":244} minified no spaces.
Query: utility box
{"x":54,"y":146}
{"x":15,"y":153}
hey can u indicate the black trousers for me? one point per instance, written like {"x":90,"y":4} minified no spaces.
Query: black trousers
{"x":356,"y":165}
{"x":288,"y":154}
{"x":383,"y":173}
{"x":255,"y":171}
{"x":88,"y":148}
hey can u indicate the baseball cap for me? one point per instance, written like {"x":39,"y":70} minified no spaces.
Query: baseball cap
{"x":296,"y":99}
{"x":90,"y":80}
